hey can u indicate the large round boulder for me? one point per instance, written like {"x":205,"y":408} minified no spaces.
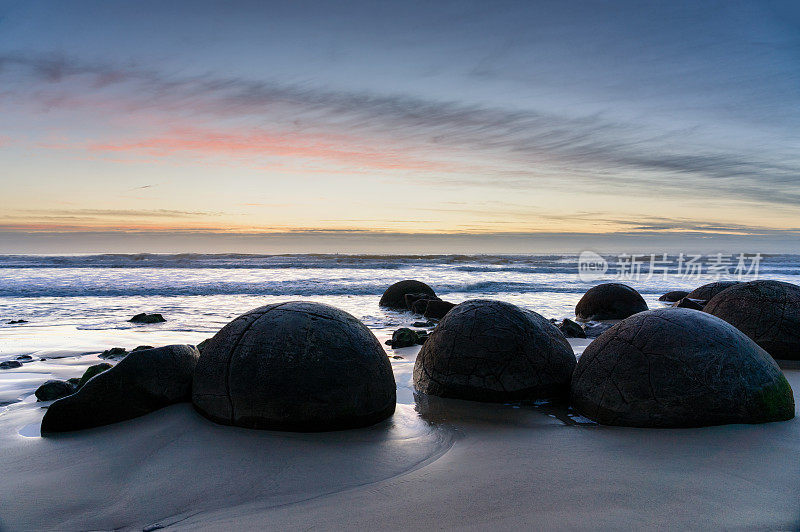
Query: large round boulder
{"x":492,"y":351}
{"x":609,"y":301}
{"x":678,"y":368}
{"x":395,"y":296}
{"x":295,"y":366}
{"x":766,"y":311}
{"x":707,"y":291}
{"x":142,"y":382}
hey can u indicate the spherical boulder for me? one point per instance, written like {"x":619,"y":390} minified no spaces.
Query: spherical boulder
{"x":140,"y":383}
{"x":492,"y":351}
{"x":707,"y":291}
{"x":766,"y":311}
{"x":294,"y":366}
{"x":395,"y":296}
{"x":609,"y":301}
{"x":678,"y":367}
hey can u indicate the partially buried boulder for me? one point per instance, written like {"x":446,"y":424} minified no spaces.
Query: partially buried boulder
{"x":707,"y":291}
{"x":395,"y":296}
{"x":10,"y":364}
{"x":492,"y":351}
{"x":295,"y":366}
{"x":675,"y":295}
{"x":413,"y":299}
{"x":609,"y":301}
{"x":766,"y":311}
{"x":142,"y":382}
{"x":147,"y":318}
{"x":678,"y":368}
{"x":54,"y":389}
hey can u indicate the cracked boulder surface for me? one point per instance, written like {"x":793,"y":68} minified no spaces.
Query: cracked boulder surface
{"x":609,"y":301}
{"x":395,"y":296}
{"x":707,"y":291}
{"x":491,"y":351}
{"x":294,"y":366}
{"x":142,"y":382}
{"x":766,"y":311}
{"x":678,"y":368}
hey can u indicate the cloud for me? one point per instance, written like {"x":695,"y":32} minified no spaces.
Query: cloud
{"x":499,"y":147}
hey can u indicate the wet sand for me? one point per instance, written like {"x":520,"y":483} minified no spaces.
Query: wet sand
{"x":437,"y":464}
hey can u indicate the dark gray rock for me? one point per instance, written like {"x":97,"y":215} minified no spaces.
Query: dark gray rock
{"x":16,"y":322}
{"x":113,"y":352}
{"x":91,"y":371}
{"x":395,"y":296}
{"x":688,"y":303}
{"x":54,"y":389}
{"x":202,"y":345}
{"x":678,"y":368}
{"x":423,"y":324}
{"x":25,"y":358}
{"x":766,"y":311}
{"x":74,"y":381}
{"x":609,"y":301}
{"x":437,"y":309}
{"x":707,"y":291}
{"x":147,"y":318}
{"x":411,"y":299}
{"x":404,"y":337}
{"x":419,"y":306}
{"x":10,"y":364}
{"x":295,"y":366}
{"x":141,"y":348}
{"x":142,"y":382}
{"x":571,"y":329}
{"x":492,"y":351}
{"x":675,"y":295}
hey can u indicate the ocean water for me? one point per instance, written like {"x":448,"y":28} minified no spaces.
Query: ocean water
{"x":82,"y":303}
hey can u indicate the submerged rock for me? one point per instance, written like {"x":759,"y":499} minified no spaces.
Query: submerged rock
{"x":25,"y":358}
{"x":707,"y":291}
{"x":675,"y":295}
{"x":91,"y":371}
{"x":54,"y":389}
{"x":10,"y":364}
{"x":492,"y":351}
{"x":147,"y":318}
{"x":571,"y":329}
{"x":16,"y":322}
{"x":142,"y":382}
{"x":609,"y":301}
{"x":766,"y":311}
{"x":295,"y":366}
{"x":395,"y":296}
{"x":678,"y":368}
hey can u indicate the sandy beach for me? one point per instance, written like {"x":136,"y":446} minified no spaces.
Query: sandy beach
{"x":436,"y":464}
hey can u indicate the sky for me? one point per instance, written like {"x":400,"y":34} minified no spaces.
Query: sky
{"x":372,"y":126}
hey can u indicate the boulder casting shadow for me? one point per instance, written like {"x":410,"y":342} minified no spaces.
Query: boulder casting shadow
{"x":142,"y":382}
{"x":395,"y":296}
{"x":491,"y":351}
{"x":678,"y":367}
{"x":295,"y":366}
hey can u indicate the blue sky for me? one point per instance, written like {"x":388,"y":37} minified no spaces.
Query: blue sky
{"x":526,"y":126}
